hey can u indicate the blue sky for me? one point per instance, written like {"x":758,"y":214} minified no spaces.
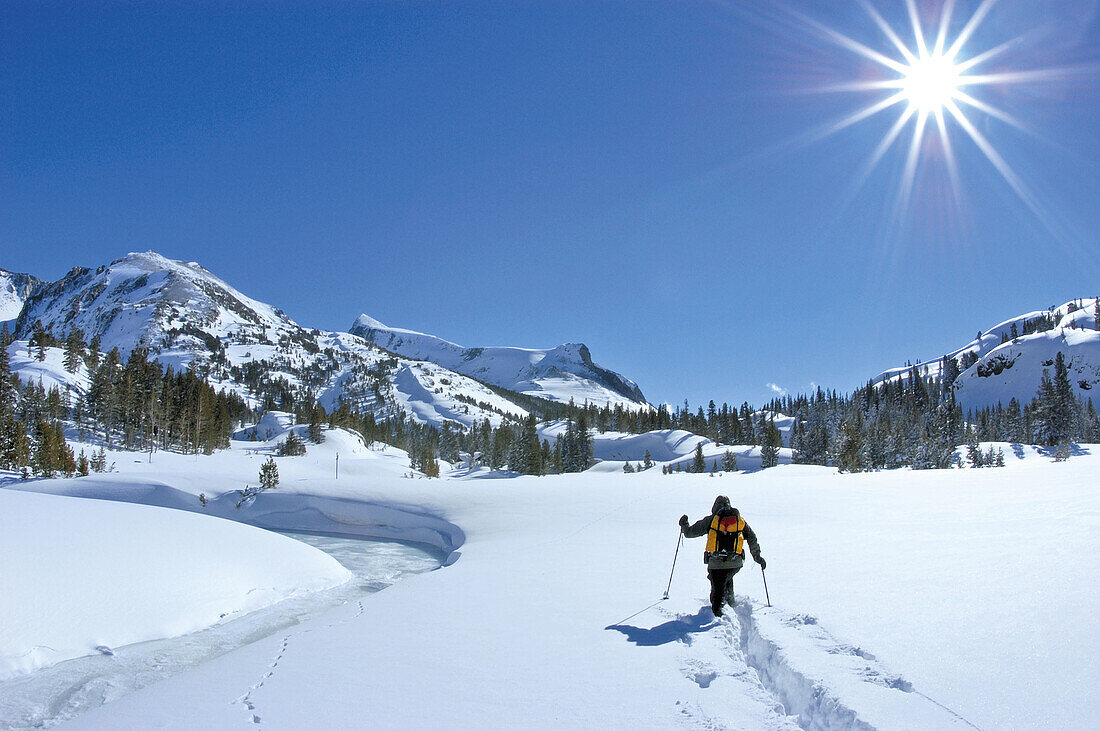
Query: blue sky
{"x":641,"y":177}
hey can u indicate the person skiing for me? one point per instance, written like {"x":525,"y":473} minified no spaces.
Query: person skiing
{"x":726,"y":531}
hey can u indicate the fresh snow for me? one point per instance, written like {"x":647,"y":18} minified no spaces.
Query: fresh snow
{"x":901,"y":599}
{"x":88,"y":575}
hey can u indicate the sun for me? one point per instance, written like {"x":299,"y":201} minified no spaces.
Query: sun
{"x":931,"y":83}
{"x":934,"y":82}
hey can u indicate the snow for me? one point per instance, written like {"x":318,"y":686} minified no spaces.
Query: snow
{"x":902,"y":599}
{"x":1011,"y":367}
{"x":82,"y":575}
{"x":559,"y":374}
{"x":50,"y":372}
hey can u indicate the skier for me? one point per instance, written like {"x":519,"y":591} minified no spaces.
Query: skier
{"x":726,"y":530}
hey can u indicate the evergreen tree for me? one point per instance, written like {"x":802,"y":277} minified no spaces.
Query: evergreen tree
{"x":729,"y":461}
{"x":698,"y":463}
{"x":291,"y":446}
{"x":1064,"y":409}
{"x":269,"y":473}
{"x":647,"y":461}
{"x":769,"y":456}
{"x":74,"y":350}
{"x":99,"y":461}
{"x":973,"y":450}
{"x":849,"y":452}
{"x":317,"y":417}
{"x":528,"y":451}
{"x":7,"y":389}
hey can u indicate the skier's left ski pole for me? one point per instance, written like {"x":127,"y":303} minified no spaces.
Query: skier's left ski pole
{"x":674,"y":557}
{"x":765,"y":578}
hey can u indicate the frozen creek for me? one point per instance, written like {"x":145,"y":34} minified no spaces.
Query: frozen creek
{"x":60,"y":692}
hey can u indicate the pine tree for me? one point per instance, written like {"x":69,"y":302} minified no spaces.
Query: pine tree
{"x":291,"y":446}
{"x":74,"y":350}
{"x":7,"y":390}
{"x":99,"y":461}
{"x":973,"y":449}
{"x":698,"y":463}
{"x":269,"y":473}
{"x":647,"y":461}
{"x":317,"y":417}
{"x":729,"y":461}
{"x":1064,"y":409}
{"x":849,"y":448}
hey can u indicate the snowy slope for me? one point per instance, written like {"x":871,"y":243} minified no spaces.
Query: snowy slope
{"x":15,"y":289}
{"x":146,"y":299}
{"x":82,"y":574}
{"x":1012,"y":369}
{"x":894,"y":603}
{"x":559,"y":374}
{"x":674,"y":447}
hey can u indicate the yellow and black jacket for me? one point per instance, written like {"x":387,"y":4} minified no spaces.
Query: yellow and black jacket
{"x":726,"y":533}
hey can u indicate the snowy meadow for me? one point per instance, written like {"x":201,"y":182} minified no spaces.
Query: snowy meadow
{"x":955,"y":598}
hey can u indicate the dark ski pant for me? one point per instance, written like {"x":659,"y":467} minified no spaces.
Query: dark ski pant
{"x":721,"y":587}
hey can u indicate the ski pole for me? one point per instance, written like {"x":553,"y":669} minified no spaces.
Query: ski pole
{"x":676,"y":555}
{"x":765,"y":578}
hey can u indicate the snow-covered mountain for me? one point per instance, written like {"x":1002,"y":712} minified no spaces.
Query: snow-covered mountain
{"x":15,"y":289}
{"x":188,"y":317}
{"x":1007,"y":360}
{"x":559,"y":374}
{"x":147,"y":300}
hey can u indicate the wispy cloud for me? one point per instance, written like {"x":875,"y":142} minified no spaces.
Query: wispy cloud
{"x":777,"y":389}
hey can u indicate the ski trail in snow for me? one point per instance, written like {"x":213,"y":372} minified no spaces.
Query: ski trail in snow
{"x":795,"y":657}
{"x":949,"y":710}
{"x":760,"y":667}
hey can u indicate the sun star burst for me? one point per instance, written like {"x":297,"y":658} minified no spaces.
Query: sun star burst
{"x":929,"y":78}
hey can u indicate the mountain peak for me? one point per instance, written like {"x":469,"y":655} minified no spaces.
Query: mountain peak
{"x":558,"y":374}
{"x":367,"y":322}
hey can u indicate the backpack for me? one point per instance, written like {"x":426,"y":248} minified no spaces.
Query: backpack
{"x":724,"y":537}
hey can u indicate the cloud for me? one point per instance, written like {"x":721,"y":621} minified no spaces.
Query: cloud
{"x":777,"y":389}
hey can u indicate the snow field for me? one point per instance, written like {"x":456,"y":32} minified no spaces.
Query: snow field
{"x":86,"y":575}
{"x":903,"y":599}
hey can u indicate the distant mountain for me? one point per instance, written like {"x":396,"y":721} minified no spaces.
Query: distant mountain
{"x":147,"y":300}
{"x":559,"y":374}
{"x":15,"y":289}
{"x":1007,"y":360}
{"x":186,"y":317}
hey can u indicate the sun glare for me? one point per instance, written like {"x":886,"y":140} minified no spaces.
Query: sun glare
{"x":931,"y":79}
{"x":930,"y":83}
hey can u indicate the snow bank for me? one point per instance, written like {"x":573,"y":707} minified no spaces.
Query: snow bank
{"x":85,"y":575}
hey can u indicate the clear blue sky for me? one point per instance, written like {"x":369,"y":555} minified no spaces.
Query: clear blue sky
{"x":642,"y":177}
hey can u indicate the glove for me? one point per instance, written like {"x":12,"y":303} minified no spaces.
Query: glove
{"x":760,"y":560}
{"x":683,"y":521}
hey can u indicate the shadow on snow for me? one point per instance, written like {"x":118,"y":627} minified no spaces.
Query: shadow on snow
{"x":676,"y":630}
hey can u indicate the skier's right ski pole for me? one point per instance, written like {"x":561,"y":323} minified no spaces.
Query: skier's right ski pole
{"x":765,"y":587}
{"x":674,"y":557}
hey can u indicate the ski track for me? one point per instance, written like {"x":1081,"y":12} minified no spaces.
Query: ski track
{"x":733,"y":656}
